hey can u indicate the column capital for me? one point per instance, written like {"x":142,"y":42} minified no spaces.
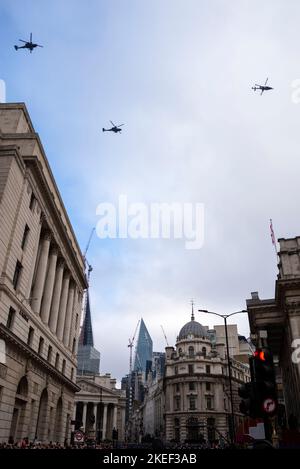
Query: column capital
{"x":67,"y":274}
{"x":47,"y":235}
{"x":61,"y":262}
{"x":54,"y":250}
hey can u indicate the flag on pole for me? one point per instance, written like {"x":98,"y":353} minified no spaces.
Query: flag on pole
{"x":272,"y":233}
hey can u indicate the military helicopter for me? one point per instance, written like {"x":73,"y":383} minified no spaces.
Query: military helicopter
{"x":115,"y":128}
{"x":262,"y":87}
{"x":28,"y":44}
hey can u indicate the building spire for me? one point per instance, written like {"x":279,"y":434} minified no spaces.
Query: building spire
{"x":193,"y":317}
{"x":86,"y":333}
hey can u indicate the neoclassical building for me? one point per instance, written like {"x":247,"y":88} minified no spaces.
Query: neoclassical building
{"x":100,"y":407}
{"x":196,"y":386}
{"x":189,"y":400}
{"x":42,"y":281}
{"x":279,"y":318}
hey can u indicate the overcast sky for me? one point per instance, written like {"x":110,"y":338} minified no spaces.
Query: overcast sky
{"x":178,"y":73}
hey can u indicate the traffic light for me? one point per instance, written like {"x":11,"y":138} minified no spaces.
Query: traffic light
{"x":248,"y":405}
{"x":265,"y":380}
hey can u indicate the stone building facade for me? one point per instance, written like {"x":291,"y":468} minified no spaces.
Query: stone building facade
{"x":41,"y":288}
{"x":196,"y":387}
{"x":280,"y":318}
{"x":100,"y":407}
{"x":190,"y":401}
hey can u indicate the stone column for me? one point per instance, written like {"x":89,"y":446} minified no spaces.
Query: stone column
{"x":69,"y":311}
{"x":73,"y":319}
{"x":41,"y":273}
{"x":115,"y":414}
{"x":49,"y":284}
{"x":34,"y":260}
{"x":104,"y":423}
{"x":63,"y":306}
{"x":74,"y":411}
{"x":84,"y":415}
{"x":56,"y":296}
{"x":95,"y":423}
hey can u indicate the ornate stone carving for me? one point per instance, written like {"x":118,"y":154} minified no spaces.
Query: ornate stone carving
{"x":3,"y":371}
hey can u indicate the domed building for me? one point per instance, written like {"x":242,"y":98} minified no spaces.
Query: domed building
{"x":196,"y":386}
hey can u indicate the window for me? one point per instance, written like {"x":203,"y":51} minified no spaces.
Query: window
{"x":32,"y":201}
{"x":57,"y":360}
{"x":30,"y":336}
{"x":191,"y":369}
{"x":209,"y":403}
{"x":25,"y":236}
{"x":177,"y":403}
{"x":74,"y":345}
{"x":41,"y":346}
{"x":10,"y":318}
{"x":180,"y":351}
{"x":211,"y":434}
{"x":177,"y":429}
{"x":225,"y":404}
{"x":49,"y":356}
{"x":208,"y":369}
{"x":192,"y":386}
{"x":192,"y":403}
{"x":17,"y":273}
{"x":72,"y":374}
{"x":63,"y":368}
{"x":204,"y":351}
{"x":76,"y":322}
{"x":176,"y":370}
{"x":208,"y":386}
{"x":191,"y":351}
{"x":177,"y":388}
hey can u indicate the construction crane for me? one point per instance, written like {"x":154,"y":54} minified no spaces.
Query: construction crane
{"x":88,"y":244}
{"x":130,"y":345}
{"x":165,"y":335}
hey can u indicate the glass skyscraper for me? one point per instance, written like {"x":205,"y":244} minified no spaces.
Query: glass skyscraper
{"x":144,"y":349}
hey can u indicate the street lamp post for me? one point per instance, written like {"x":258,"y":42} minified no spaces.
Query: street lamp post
{"x":225,"y":316}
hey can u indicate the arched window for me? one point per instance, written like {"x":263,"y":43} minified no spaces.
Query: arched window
{"x":22,"y":388}
{"x":191,"y":351}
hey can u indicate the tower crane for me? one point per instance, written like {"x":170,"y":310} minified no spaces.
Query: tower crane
{"x":165,"y":335}
{"x":130,"y":345}
{"x":88,"y":244}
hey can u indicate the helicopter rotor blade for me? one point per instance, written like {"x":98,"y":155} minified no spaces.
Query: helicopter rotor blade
{"x":30,"y":37}
{"x":262,"y":91}
{"x":266,"y":81}
{"x":38,"y":45}
{"x":112,"y":123}
{"x":21,"y":40}
{"x":120,"y":125}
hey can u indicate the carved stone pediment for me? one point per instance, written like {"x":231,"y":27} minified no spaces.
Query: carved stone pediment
{"x":3,"y":371}
{"x":93,"y":388}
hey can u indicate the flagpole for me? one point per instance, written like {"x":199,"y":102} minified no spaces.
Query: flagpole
{"x":274,"y":239}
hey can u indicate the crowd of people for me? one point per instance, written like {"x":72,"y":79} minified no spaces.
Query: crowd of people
{"x":26,"y":444}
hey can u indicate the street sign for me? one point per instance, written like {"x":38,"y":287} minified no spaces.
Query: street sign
{"x":78,"y":436}
{"x":269,"y":405}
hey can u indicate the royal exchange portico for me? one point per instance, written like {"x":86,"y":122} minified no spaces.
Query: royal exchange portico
{"x":100,"y":407}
